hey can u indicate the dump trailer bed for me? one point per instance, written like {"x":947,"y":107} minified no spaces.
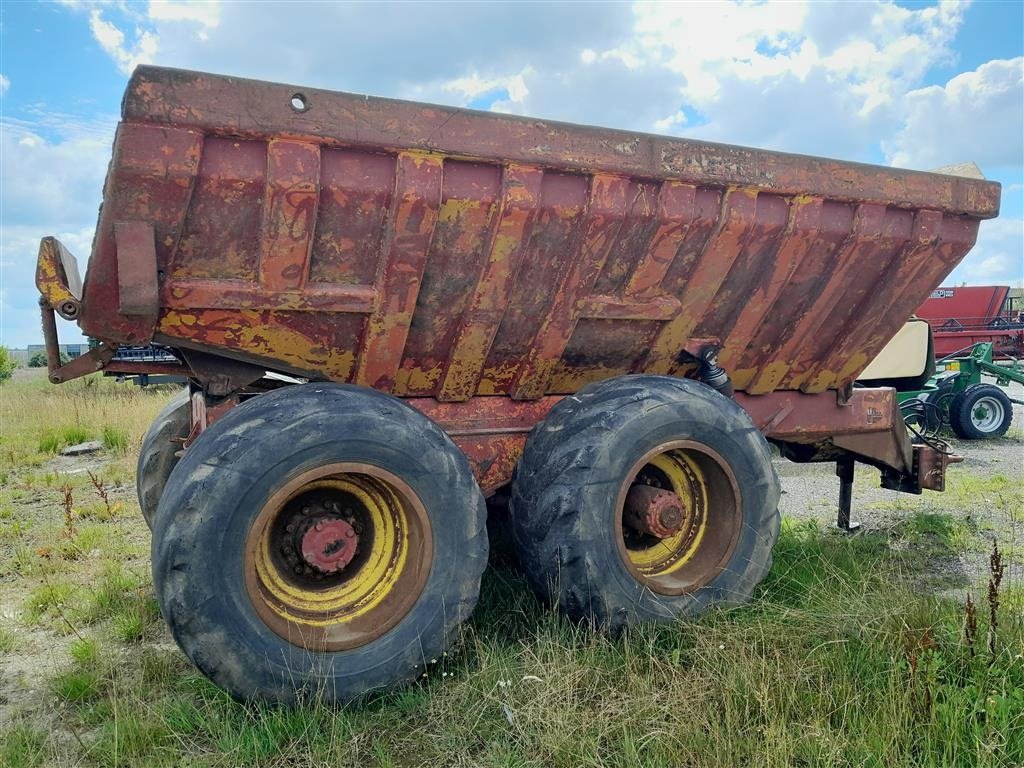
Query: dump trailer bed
{"x":455,"y":256}
{"x":608,"y":324}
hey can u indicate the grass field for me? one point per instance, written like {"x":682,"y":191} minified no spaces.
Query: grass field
{"x":855,"y":652}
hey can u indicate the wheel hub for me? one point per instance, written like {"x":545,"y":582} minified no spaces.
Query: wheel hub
{"x":654,"y":511}
{"x":329,"y":544}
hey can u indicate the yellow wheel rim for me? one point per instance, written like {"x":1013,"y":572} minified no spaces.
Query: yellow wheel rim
{"x":346,"y":599}
{"x":700,"y":542}
{"x":687,"y":482}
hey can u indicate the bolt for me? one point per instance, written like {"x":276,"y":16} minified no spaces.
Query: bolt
{"x":349,"y":534}
{"x":290,"y":527}
{"x":298,"y":570}
{"x":319,"y":526}
{"x":305,"y":510}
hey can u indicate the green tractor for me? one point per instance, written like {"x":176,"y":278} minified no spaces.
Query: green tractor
{"x":963,"y":391}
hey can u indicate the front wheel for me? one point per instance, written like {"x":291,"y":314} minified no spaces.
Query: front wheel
{"x":642,"y":499}
{"x":318,"y":541}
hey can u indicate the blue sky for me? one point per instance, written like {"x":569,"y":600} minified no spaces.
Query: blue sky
{"x":919,"y":85}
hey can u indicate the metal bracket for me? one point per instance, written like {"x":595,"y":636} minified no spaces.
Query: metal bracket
{"x":136,"y":269}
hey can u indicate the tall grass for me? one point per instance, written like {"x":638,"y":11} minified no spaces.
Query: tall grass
{"x":835,"y":663}
{"x":841,"y":659}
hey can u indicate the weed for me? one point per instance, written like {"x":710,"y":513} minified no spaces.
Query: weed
{"x":69,"y":532}
{"x":101,"y":491}
{"x":77,"y":685}
{"x":74,"y":434}
{"x":84,"y":651}
{"x":45,"y":601}
{"x":8,"y":640}
{"x":115,"y":439}
{"x":994,"y":582}
{"x":131,"y":622}
{"x":970,"y":625}
{"x":49,"y":442}
{"x":22,"y":746}
{"x":115,"y":594}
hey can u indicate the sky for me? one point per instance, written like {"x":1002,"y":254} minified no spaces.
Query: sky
{"x":910,"y":84}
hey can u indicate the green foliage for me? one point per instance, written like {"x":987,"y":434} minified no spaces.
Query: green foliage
{"x":53,"y":440}
{"x":38,"y":359}
{"x":7,"y":365}
{"x":115,"y":439}
{"x":22,"y":746}
{"x":77,"y":685}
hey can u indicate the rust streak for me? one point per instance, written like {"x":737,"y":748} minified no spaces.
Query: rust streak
{"x":602,"y":221}
{"x":800,"y":235}
{"x":847,"y":358}
{"x":675,"y":214}
{"x":739,"y":209}
{"x":289,"y":213}
{"x":867,"y":227}
{"x":520,"y":198}
{"x":409,"y":229}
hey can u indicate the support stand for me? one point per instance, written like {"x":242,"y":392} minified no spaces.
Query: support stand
{"x":844,"y":471}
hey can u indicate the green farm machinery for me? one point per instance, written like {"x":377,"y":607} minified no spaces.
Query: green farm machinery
{"x":958,"y":396}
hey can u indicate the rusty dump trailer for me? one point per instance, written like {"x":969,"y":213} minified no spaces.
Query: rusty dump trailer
{"x":608,"y":327}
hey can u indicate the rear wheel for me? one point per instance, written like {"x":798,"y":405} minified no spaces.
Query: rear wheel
{"x":980,"y":411}
{"x":645,"y":498}
{"x":159,"y":452}
{"x":323,"y":541}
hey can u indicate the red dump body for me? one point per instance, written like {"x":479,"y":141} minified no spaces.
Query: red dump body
{"x":966,"y":315}
{"x":484,"y":265}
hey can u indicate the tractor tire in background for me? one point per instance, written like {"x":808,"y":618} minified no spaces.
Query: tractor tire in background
{"x":643,"y":499}
{"x":318,"y":542}
{"x":980,"y":411}
{"x":158,"y":453}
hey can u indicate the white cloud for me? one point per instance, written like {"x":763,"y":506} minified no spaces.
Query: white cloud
{"x":112,"y":40}
{"x":472,"y":86}
{"x":5,"y":84}
{"x":836,"y":79}
{"x":55,"y":182}
{"x":977,"y":115}
{"x":998,"y":256}
{"x":51,"y":181}
{"x":206,"y":14}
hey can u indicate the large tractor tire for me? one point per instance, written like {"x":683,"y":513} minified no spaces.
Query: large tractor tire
{"x":980,"y":411}
{"x":159,"y":452}
{"x":318,"y":542}
{"x":642,"y":499}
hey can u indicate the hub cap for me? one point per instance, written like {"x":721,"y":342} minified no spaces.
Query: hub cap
{"x":987,"y":414}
